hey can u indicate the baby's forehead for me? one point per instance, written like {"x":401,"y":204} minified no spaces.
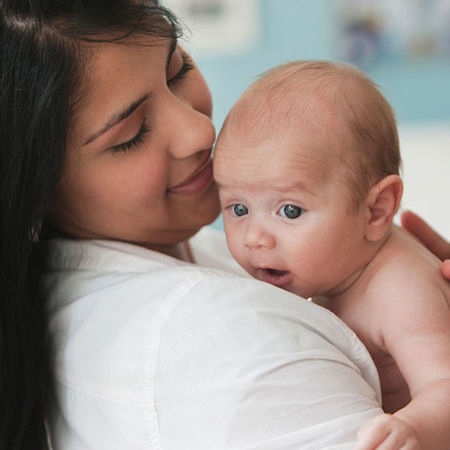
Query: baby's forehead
{"x":284,"y":153}
{"x":265,"y":109}
{"x":305,"y":114}
{"x":308,"y":121}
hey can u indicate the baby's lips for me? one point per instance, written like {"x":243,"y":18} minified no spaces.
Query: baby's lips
{"x":276,"y":277}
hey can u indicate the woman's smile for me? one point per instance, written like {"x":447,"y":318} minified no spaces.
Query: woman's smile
{"x":197,"y":181}
{"x":153,"y":181}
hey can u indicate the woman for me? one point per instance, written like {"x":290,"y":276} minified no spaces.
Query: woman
{"x":106,"y":175}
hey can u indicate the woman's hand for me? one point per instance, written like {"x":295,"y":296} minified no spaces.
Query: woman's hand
{"x":429,"y":237}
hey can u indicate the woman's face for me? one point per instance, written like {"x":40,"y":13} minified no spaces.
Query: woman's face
{"x":138,"y":163}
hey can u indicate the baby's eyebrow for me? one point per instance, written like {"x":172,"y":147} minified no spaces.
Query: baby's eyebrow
{"x":118,"y":117}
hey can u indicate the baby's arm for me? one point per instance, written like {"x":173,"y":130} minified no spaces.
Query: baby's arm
{"x":429,"y":237}
{"x":415,"y":330}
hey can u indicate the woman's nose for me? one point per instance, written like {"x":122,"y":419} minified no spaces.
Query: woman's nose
{"x":258,"y":237}
{"x":191,"y":131}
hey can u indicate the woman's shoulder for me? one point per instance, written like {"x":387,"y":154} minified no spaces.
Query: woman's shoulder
{"x":124,"y":287}
{"x":132,"y":282}
{"x":238,"y":337}
{"x":209,"y":249}
{"x":109,"y":306}
{"x":124,"y":273}
{"x":133,"y":330}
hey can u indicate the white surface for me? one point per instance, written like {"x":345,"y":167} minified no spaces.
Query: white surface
{"x":426,"y":173}
{"x":219,"y":26}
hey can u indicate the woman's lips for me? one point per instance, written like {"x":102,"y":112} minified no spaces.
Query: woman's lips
{"x":278,"y":278}
{"x":197,"y":182}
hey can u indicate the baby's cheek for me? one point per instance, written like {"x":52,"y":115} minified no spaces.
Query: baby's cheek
{"x":238,"y":252}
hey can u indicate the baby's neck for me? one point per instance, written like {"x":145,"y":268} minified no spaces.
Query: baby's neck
{"x":359,"y":278}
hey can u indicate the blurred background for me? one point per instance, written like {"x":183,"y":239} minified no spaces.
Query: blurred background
{"x":403,"y":45}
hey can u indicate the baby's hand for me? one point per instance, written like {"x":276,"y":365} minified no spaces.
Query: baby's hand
{"x":387,"y":432}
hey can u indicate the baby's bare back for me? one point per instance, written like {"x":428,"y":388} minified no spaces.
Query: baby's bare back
{"x":400,"y":309}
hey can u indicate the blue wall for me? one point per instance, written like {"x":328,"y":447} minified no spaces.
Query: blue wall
{"x":299,"y":29}
{"x":418,"y":90}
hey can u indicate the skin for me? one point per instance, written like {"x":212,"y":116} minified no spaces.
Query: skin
{"x":110,"y":188}
{"x":432,"y":240}
{"x":351,"y":262}
{"x":270,"y":239}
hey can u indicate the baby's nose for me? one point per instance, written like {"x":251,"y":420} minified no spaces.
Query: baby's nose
{"x":257,"y":237}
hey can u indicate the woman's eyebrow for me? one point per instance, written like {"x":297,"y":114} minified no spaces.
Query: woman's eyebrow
{"x":118,"y":117}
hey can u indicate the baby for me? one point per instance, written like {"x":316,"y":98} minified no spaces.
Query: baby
{"x":307,"y":164}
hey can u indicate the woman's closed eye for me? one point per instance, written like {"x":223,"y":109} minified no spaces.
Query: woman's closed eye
{"x":134,"y":142}
{"x":186,"y":66}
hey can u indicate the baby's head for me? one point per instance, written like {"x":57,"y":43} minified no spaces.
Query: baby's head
{"x":300,"y":162}
{"x":342,"y":108}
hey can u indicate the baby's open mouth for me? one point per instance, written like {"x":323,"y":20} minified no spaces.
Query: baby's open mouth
{"x":275,"y":276}
{"x":275,"y":272}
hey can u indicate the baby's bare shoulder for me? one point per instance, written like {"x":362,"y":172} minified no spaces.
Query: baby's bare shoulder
{"x":403,"y":265}
{"x":406,"y":283}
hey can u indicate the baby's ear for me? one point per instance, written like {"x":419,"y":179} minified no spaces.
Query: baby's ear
{"x":383,"y":201}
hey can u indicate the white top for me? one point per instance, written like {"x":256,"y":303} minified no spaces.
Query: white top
{"x":155,"y":353}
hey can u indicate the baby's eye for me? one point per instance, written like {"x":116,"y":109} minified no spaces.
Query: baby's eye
{"x":239,"y":209}
{"x":291,"y":211}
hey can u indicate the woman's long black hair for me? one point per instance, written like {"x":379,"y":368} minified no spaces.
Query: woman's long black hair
{"x":43,"y":51}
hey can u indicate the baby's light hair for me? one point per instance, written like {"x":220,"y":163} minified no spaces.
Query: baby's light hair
{"x":288,"y":93}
